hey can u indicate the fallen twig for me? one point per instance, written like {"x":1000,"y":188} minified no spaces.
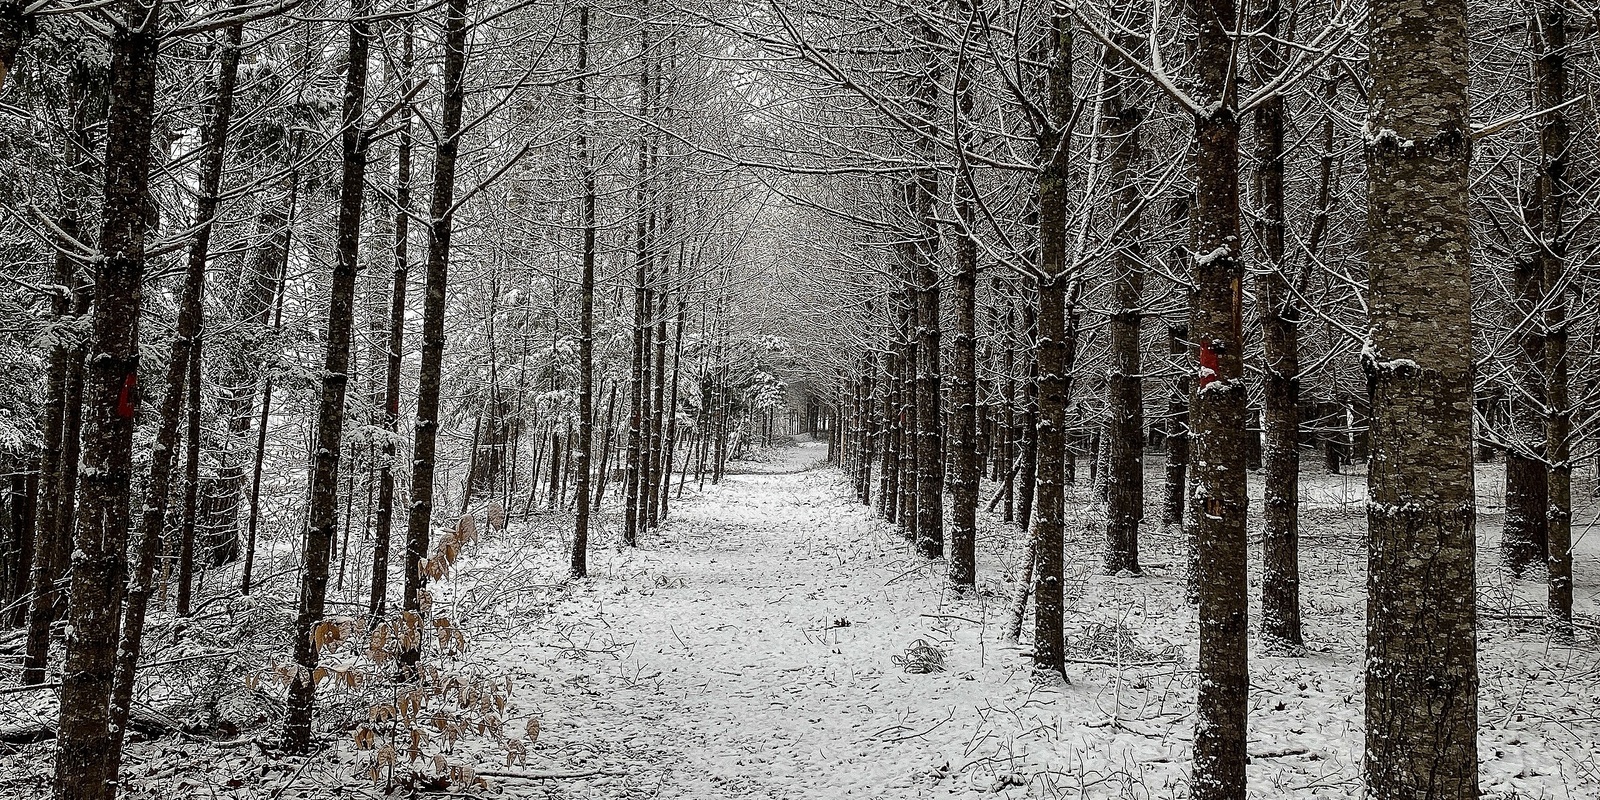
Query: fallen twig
{"x":544,"y":776}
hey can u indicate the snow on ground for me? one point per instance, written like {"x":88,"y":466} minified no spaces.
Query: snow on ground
{"x":748,"y":650}
{"x":753,"y":647}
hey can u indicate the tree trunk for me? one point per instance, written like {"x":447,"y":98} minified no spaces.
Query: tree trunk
{"x":383,"y":524}
{"x":1217,"y":416}
{"x":1549,"y":33}
{"x":639,"y":394}
{"x":906,"y":507}
{"x":670,"y":445}
{"x":1421,"y":676}
{"x":191,"y":479}
{"x":1527,"y":475}
{"x":58,"y":467}
{"x":1028,"y":470}
{"x":1124,"y":472}
{"x":1280,"y":545}
{"x":279,"y":282}
{"x":1177,"y":468}
{"x":87,"y":754}
{"x":322,"y":522}
{"x":1051,"y":353}
{"x":967,"y":459}
{"x":579,"y":566}
{"x":441,"y":213}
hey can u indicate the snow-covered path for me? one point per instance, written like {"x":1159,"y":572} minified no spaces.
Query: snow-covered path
{"x":747,"y":650}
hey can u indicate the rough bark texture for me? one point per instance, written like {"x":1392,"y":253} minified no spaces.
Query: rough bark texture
{"x":322,"y":523}
{"x":86,"y":755}
{"x":1421,"y":676}
{"x":1217,"y":416}
{"x":1280,"y":362}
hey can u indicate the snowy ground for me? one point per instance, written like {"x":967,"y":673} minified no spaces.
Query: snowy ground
{"x":749,"y":649}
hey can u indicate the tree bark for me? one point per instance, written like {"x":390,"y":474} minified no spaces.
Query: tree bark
{"x":579,"y":566}
{"x":1279,"y":319}
{"x":639,"y":394}
{"x":87,"y":755}
{"x":1124,"y":472}
{"x":1217,"y":415}
{"x":441,"y":216}
{"x":383,"y":524}
{"x":58,"y":469}
{"x":967,"y":459}
{"x":1051,"y":353}
{"x":1549,"y":32}
{"x":1421,"y":676}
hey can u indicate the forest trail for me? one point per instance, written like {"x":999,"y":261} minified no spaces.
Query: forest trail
{"x":746,"y":651}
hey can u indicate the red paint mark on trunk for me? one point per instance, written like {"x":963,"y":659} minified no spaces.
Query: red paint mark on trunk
{"x":128,"y":396}
{"x":1208,"y":364}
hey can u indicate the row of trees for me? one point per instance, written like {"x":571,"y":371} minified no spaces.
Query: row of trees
{"x":246,"y":255}
{"x":1322,"y":209}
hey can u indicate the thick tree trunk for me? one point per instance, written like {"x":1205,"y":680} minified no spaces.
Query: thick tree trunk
{"x":1421,"y":676}
{"x":1522,"y":542}
{"x":1217,"y":415}
{"x":1527,"y":477}
{"x":322,"y":522}
{"x":87,"y":754}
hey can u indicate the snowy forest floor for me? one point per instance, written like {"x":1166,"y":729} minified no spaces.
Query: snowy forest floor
{"x":749,"y":649}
